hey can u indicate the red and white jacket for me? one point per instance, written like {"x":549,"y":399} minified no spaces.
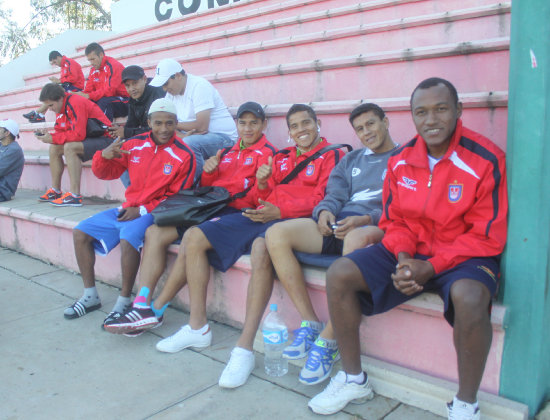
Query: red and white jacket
{"x":71,"y":72}
{"x":106,"y":81}
{"x":156,"y":171}
{"x":306,"y":190}
{"x":454,"y":213}
{"x":237,"y":170}
{"x":70,"y":124}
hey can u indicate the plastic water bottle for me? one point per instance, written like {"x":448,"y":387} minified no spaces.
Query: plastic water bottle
{"x":275,"y":337}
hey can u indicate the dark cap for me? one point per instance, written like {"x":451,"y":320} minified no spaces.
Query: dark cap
{"x":132,"y":73}
{"x":253,"y":107}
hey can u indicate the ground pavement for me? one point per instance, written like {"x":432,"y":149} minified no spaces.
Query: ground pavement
{"x":52,"y":368}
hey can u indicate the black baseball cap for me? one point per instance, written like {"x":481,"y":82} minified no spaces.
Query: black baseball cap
{"x":252,"y":107}
{"x":132,"y":73}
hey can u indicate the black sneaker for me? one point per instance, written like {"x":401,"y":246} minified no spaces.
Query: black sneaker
{"x":135,"y":319}
{"x":30,"y":115}
{"x":114,"y":315}
{"x":37,"y":119}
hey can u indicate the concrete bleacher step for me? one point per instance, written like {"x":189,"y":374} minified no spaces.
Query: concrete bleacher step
{"x":44,"y":231}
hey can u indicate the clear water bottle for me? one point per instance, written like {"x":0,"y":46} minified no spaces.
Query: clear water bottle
{"x":275,"y":337}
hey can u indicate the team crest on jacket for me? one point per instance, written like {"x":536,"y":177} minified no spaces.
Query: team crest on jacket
{"x":310,"y":169}
{"x":455,"y":192}
{"x":167,"y":169}
{"x":248,"y":161}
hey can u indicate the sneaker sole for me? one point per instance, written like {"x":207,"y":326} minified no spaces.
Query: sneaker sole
{"x":335,"y":409}
{"x":191,"y":346}
{"x":66,"y":204}
{"x":46,"y":200}
{"x":143,"y":324}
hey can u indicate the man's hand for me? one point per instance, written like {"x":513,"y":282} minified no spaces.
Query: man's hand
{"x":265,"y":213}
{"x":183,"y":134}
{"x":54,"y":79}
{"x":212,"y":162}
{"x":347,"y":224}
{"x":264,"y":172}
{"x":129,"y":213}
{"x":113,"y":150}
{"x":116,"y":131}
{"x":43,"y":136}
{"x":325,"y":222}
{"x":411,"y":275}
{"x":85,"y":95}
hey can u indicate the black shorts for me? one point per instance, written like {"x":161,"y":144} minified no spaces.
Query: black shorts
{"x":93,"y":144}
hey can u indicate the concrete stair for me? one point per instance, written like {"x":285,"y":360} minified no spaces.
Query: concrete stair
{"x":330,"y":54}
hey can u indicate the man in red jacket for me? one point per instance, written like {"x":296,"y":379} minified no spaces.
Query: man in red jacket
{"x":104,"y":85}
{"x":72,"y":80}
{"x":233,"y":168}
{"x":158,"y":164}
{"x":444,"y":218}
{"x":69,"y":139}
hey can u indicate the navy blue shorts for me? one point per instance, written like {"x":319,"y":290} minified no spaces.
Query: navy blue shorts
{"x":231,"y":236}
{"x":377,"y":265}
{"x":226,"y":210}
{"x":331,"y":244}
{"x":107,"y":231}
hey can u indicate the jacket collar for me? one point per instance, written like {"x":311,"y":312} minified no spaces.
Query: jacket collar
{"x":419,"y":157}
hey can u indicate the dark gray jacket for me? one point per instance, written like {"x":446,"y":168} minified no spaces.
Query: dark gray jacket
{"x":12,"y":161}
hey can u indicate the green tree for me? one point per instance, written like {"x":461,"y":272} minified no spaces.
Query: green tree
{"x":49,"y":18}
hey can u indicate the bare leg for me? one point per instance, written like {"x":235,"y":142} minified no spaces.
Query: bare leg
{"x":85,"y":257}
{"x":42,"y":109}
{"x":129,"y":262}
{"x":259,"y":291}
{"x":344,"y":280}
{"x":281,"y":239}
{"x":472,"y":335}
{"x":198,"y":274}
{"x":362,"y":237}
{"x":177,"y":279}
{"x":73,"y":151}
{"x":56,"y":165}
{"x":157,"y":241}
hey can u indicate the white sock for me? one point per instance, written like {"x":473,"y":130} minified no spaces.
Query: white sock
{"x":460,"y":402}
{"x":358,"y":379}
{"x":201,"y":330}
{"x":121,"y":303}
{"x":241,"y":351}
{"x":90,"y":297}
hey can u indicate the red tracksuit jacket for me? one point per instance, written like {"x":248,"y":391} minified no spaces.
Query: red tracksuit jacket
{"x":156,"y":172}
{"x":237,"y":170}
{"x":106,"y":81}
{"x":71,"y":72}
{"x":306,"y":190}
{"x":453,"y":214}
{"x":70,"y":124}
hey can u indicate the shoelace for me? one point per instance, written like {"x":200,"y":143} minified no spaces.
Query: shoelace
{"x":302,"y":334}
{"x":314,"y":359}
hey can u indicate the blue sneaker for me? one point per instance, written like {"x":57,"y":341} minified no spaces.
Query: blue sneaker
{"x":304,"y":337}
{"x":319,"y":363}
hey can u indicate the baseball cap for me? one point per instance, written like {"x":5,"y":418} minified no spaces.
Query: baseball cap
{"x":132,"y":73}
{"x":253,"y":107}
{"x":163,"y":105}
{"x":165,"y":69}
{"x":11,"y":126}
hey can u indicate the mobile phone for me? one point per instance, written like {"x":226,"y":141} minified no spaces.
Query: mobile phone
{"x":244,"y":209}
{"x":104,"y":127}
{"x":38,"y":133}
{"x":334,"y":226}
{"x":120,"y":213}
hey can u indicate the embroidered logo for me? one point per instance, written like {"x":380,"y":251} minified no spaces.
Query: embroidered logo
{"x":384,"y":174}
{"x":226,"y":159}
{"x":135,"y":159}
{"x":310,"y":169}
{"x":355,"y":171}
{"x":488,"y":271}
{"x":407,"y":183}
{"x":248,"y":161}
{"x":167,"y":169}
{"x":283,"y":164}
{"x":455,"y":192}
{"x":215,"y":219}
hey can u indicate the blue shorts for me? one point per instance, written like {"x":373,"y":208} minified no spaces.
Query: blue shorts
{"x":231,"y":236}
{"x":377,"y":265}
{"x":226,"y":210}
{"x":108,"y":231}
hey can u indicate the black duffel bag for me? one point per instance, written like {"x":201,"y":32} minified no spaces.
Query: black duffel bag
{"x":191,"y":207}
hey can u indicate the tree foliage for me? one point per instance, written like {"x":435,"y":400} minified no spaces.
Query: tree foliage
{"x":49,"y":18}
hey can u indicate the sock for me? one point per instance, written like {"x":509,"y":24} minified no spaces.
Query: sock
{"x":89,"y":298}
{"x":75,"y":195}
{"x":358,"y":379}
{"x":327,"y":343}
{"x":58,"y":192}
{"x":141,"y":299}
{"x":40,"y":114}
{"x":241,"y":351}
{"x":458,"y":402}
{"x":121,"y":303}
{"x":315,"y":326}
{"x":159,"y":312}
{"x":202,"y":330}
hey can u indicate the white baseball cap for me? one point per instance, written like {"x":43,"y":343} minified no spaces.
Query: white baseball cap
{"x":165,"y":69}
{"x":11,"y":126}
{"x":163,"y":105}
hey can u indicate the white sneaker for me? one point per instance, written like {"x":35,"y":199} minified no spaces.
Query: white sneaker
{"x":460,"y":410}
{"x":184,"y":338}
{"x":238,"y":369}
{"x":339,"y":393}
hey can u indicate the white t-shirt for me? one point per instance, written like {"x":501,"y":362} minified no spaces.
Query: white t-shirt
{"x":200,"y":95}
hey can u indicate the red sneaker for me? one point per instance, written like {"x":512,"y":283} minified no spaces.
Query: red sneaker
{"x":50,"y":195}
